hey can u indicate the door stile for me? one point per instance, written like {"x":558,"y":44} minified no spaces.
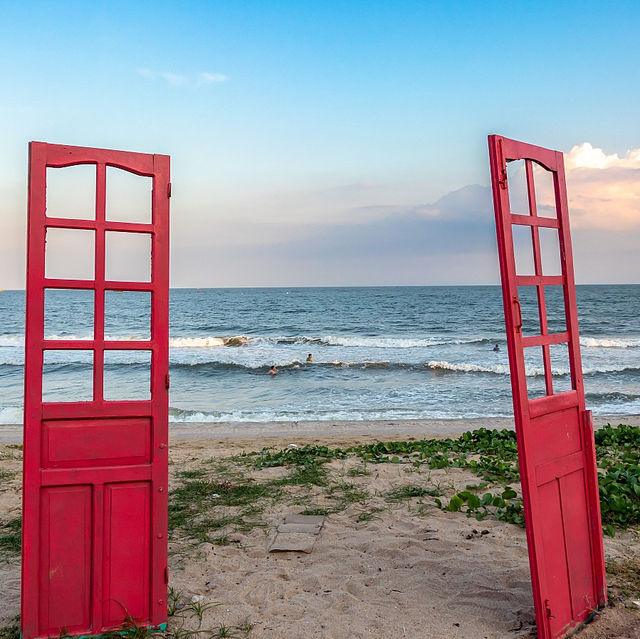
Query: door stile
{"x":34,"y":333}
{"x":160,"y":378}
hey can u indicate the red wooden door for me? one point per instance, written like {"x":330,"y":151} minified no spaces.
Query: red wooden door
{"x":554,"y":431}
{"x":94,"y":545}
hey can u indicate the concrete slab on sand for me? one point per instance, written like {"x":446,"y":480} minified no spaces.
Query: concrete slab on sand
{"x":315,"y":520}
{"x":297,"y":533}
{"x":312,"y":529}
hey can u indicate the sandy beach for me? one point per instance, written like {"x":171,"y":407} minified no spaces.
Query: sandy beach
{"x":386,"y":563}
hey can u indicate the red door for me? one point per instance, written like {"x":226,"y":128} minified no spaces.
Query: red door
{"x":94,"y":546}
{"x":554,"y":431}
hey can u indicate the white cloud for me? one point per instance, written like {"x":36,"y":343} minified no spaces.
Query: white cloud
{"x":147,"y":73}
{"x":174,"y":79}
{"x":205,"y":77}
{"x":604,"y":190}
{"x":585,"y":156}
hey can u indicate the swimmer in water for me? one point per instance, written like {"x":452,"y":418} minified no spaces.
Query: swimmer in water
{"x":273,"y":370}
{"x":309,"y":357}
{"x":496,"y":348}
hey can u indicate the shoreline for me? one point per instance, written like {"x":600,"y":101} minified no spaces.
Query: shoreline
{"x":331,"y":430}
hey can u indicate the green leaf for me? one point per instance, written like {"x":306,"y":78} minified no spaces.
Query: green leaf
{"x":473,"y":502}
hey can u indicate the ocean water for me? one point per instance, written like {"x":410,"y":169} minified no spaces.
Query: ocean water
{"x":378,"y":353}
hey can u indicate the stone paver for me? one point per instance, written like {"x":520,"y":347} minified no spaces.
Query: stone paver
{"x":297,"y":533}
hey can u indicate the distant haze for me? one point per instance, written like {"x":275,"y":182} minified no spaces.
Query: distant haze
{"x":337,"y":144}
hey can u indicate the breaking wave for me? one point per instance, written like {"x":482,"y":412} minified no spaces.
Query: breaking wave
{"x":10,"y":415}
{"x":208,"y":342}
{"x":531,"y":371}
{"x":374,"y":342}
{"x":594,"y":342}
{"x":328,"y":340}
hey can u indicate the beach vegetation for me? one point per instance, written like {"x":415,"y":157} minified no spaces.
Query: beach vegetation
{"x":618,"y":454}
{"x":410,"y":491}
{"x":359,"y":471}
{"x":304,"y":474}
{"x":10,"y":537}
{"x":12,"y":630}
{"x":623,"y":579}
{"x":316,"y":511}
{"x":368,"y":515}
{"x":493,"y":456}
{"x":196,"y":473}
{"x":187,"y":615}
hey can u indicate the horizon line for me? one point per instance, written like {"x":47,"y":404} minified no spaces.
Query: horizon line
{"x":250,"y":286}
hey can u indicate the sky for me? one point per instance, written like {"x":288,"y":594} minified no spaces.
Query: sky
{"x":334,"y":143}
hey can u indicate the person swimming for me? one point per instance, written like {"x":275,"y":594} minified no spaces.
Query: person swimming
{"x":309,"y":357}
{"x":273,"y":370}
{"x":496,"y":348}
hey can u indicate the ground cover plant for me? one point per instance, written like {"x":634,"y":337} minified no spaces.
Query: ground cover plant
{"x":493,"y":456}
{"x":220,"y":501}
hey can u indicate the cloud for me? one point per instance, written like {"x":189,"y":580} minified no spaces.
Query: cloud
{"x":147,"y":73}
{"x":174,"y":79}
{"x":460,"y":221}
{"x":604,"y":190}
{"x":585,"y":156}
{"x":201,"y":79}
{"x":451,"y":240}
{"x":204,"y":78}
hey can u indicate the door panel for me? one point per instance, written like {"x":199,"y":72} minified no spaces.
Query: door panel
{"x":127,"y":510}
{"x":65,"y":533}
{"x":554,"y":431}
{"x":95,"y":471}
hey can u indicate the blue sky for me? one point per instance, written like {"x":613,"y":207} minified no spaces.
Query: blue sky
{"x":326,"y":125}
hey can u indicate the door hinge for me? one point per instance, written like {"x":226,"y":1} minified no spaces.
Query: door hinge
{"x":168,"y":189}
{"x":502,"y":181}
{"x":166,"y":575}
{"x":167,"y":381}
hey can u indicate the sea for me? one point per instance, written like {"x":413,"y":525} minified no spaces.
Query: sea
{"x":376,"y":352}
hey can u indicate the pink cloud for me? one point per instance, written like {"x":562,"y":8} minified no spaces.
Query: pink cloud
{"x":604,"y":190}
